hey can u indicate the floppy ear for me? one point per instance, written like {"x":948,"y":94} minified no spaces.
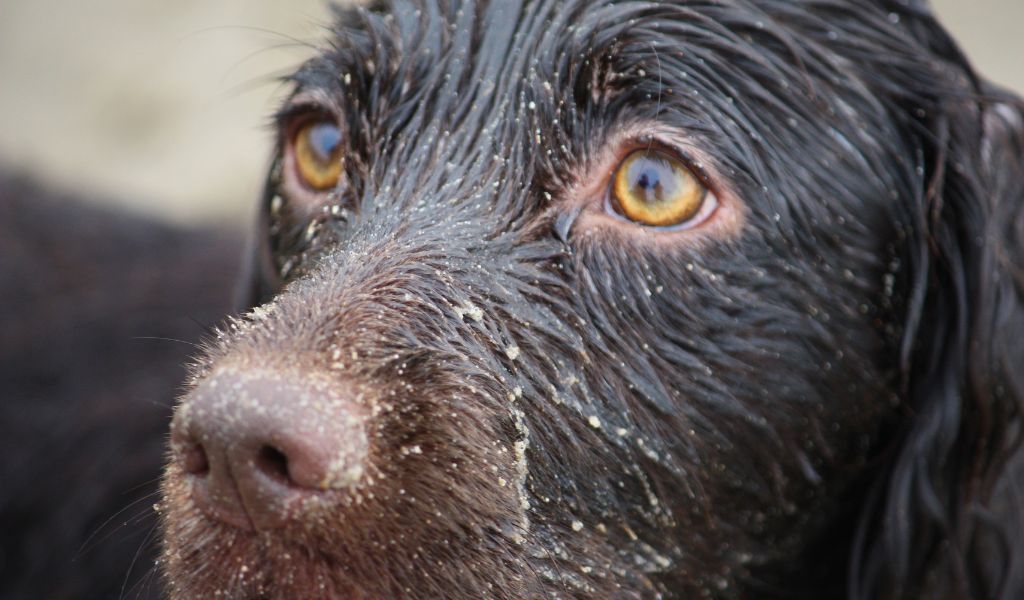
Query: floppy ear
{"x":1000,"y":353}
{"x":260,"y":278}
{"x":944,"y":519}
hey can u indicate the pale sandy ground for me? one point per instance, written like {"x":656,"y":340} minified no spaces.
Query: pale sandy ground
{"x":162,"y":103}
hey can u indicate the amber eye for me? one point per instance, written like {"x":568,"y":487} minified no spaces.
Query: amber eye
{"x":318,"y":155}
{"x":654,"y":188}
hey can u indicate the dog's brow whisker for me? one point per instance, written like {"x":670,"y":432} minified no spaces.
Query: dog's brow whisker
{"x":165,"y":339}
{"x":251,"y":28}
{"x":257,"y":53}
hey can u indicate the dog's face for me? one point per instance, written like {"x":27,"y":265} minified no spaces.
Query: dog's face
{"x":566,"y":299}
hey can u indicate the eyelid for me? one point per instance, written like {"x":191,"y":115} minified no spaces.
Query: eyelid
{"x":293,"y":110}
{"x":291,"y":118}
{"x":312,"y":102}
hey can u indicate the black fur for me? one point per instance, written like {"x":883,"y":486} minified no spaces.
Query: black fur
{"x":825,"y":404}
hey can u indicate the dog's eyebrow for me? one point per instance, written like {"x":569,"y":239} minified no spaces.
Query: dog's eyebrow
{"x":315,"y":75}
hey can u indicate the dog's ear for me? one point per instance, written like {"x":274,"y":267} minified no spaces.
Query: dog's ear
{"x":260,"y":278}
{"x":1001,"y":350}
{"x":944,"y":519}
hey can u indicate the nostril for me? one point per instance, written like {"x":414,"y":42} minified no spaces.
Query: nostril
{"x":273,"y":462}
{"x":252,"y":467}
{"x":194,"y":460}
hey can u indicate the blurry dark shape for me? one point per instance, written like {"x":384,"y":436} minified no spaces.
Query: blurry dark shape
{"x":99,"y":311}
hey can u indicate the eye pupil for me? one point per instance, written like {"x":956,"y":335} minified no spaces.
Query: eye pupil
{"x":653,"y":179}
{"x":644,"y":182}
{"x":324,"y":139}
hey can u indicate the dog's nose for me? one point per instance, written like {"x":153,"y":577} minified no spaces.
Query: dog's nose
{"x":258,"y":448}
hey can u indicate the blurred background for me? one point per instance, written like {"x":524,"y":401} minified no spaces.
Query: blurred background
{"x":162,"y":106}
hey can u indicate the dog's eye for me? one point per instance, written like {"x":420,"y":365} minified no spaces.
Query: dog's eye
{"x":653,"y":188}
{"x":318,"y":154}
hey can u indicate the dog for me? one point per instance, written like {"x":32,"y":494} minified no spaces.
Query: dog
{"x":563,"y":299}
{"x":620,"y":300}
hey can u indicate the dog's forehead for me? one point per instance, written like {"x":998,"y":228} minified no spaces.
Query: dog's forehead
{"x":474,"y":40}
{"x":507,"y":103}
{"x":467,"y":68}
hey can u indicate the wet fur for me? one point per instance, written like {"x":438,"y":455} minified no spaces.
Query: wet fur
{"x":826,"y":405}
